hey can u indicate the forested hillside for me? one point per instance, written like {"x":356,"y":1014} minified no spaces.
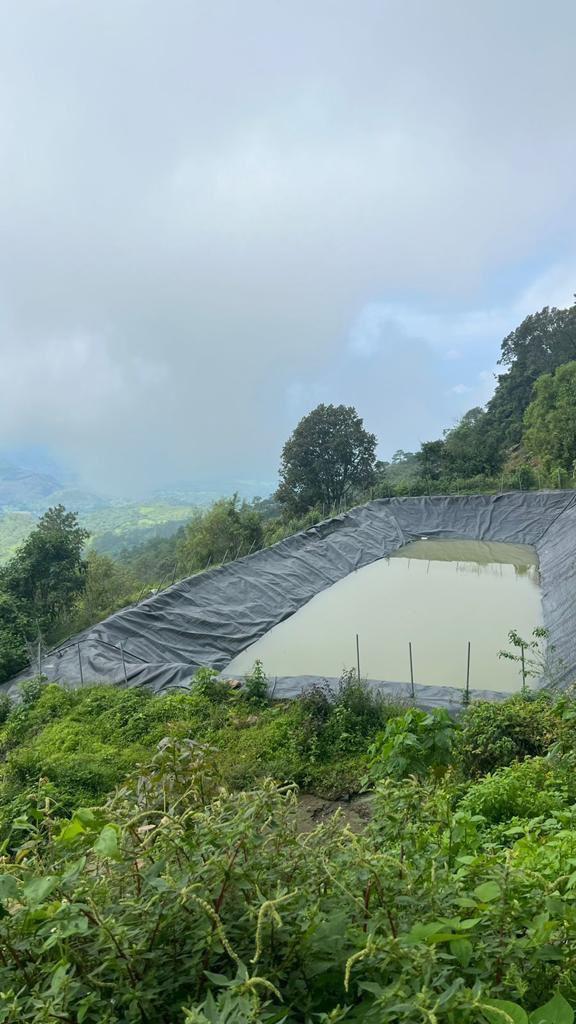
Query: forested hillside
{"x":499,"y":439}
{"x":177,"y":858}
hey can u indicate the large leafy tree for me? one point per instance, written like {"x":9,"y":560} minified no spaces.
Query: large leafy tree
{"x":47,"y":573}
{"x":543,"y":342}
{"x":550,"y":419}
{"x":328,"y":456}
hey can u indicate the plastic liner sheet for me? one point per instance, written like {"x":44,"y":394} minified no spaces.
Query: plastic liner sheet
{"x":209,"y":618}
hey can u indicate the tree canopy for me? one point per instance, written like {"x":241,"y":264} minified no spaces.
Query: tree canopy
{"x":40,"y":585}
{"x":550,"y":419}
{"x":227,"y":530}
{"x":328,"y":456}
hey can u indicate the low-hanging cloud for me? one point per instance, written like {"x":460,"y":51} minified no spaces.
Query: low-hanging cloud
{"x":200,"y":204}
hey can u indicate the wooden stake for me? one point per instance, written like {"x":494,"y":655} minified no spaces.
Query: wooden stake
{"x":124,"y":662}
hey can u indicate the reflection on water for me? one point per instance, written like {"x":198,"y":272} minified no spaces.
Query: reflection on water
{"x":438,"y":594}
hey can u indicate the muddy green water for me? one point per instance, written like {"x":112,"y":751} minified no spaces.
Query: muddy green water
{"x":438,"y":594}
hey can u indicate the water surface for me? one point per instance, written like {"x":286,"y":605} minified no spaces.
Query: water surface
{"x":438,"y":594}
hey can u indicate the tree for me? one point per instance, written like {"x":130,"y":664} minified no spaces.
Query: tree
{"x":465,"y":453}
{"x":483,"y":440}
{"x":543,"y":342}
{"x":550,"y":419}
{"x":14,"y":631}
{"x":432,"y":459}
{"x":227,"y":530}
{"x":108,"y":585}
{"x":47,"y":573}
{"x":328,"y":456}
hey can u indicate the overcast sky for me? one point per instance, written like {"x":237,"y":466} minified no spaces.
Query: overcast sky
{"x":214,"y":215}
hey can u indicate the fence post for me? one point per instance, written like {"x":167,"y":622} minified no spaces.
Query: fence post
{"x":523,"y":671}
{"x":358,"y":656}
{"x":411,"y":670}
{"x":467,"y":690}
{"x":123,"y":662}
{"x":80,"y":665}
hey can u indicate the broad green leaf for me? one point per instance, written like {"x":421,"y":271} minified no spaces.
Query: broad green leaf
{"x":501,"y":1011}
{"x":39,"y":888}
{"x":70,"y":831}
{"x":58,"y":978}
{"x":462,"y":949}
{"x":107,"y":843}
{"x":555,"y":1011}
{"x":8,"y":887}
{"x":85,"y":816}
{"x":487,"y":892}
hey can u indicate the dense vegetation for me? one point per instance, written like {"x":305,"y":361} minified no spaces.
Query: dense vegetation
{"x":40,"y":586}
{"x":153,"y":866}
{"x":189,"y":893}
{"x":525,"y":437}
{"x":498,"y":445}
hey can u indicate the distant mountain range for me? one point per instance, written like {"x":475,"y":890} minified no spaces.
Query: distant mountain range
{"x":27,"y":490}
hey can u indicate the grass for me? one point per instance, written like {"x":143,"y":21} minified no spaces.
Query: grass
{"x":84,"y":742}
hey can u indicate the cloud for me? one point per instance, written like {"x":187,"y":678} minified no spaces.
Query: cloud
{"x":213,"y":213}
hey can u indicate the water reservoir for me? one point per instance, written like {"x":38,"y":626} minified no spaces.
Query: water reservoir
{"x":436,"y":594}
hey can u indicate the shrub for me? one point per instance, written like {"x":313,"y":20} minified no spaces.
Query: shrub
{"x":256,"y":685}
{"x":6,"y":706}
{"x":342,"y":722}
{"x":526,"y":789}
{"x":415,"y":743}
{"x":180,"y":901}
{"x":31,"y":689}
{"x":207,"y":684}
{"x":494,"y":735}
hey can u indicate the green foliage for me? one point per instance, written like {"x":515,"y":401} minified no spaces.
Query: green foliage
{"x":255,"y":687}
{"x":207,"y":684}
{"x":494,"y":735}
{"x":107,"y":586}
{"x":5,"y":707}
{"x":527,"y":789}
{"x":46,"y":575}
{"x":279,"y":528}
{"x":550,"y":419}
{"x":328,"y":456}
{"x":481,"y":444}
{"x":83,"y":742}
{"x":14,"y":626}
{"x":228,"y":530}
{"x":531,"y":656}
{"x":415,"y":743}
{"x":31,"y":690}
{"x":115,"y":529}
{"x":342,"y":723}
{"x":178,"y":901}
